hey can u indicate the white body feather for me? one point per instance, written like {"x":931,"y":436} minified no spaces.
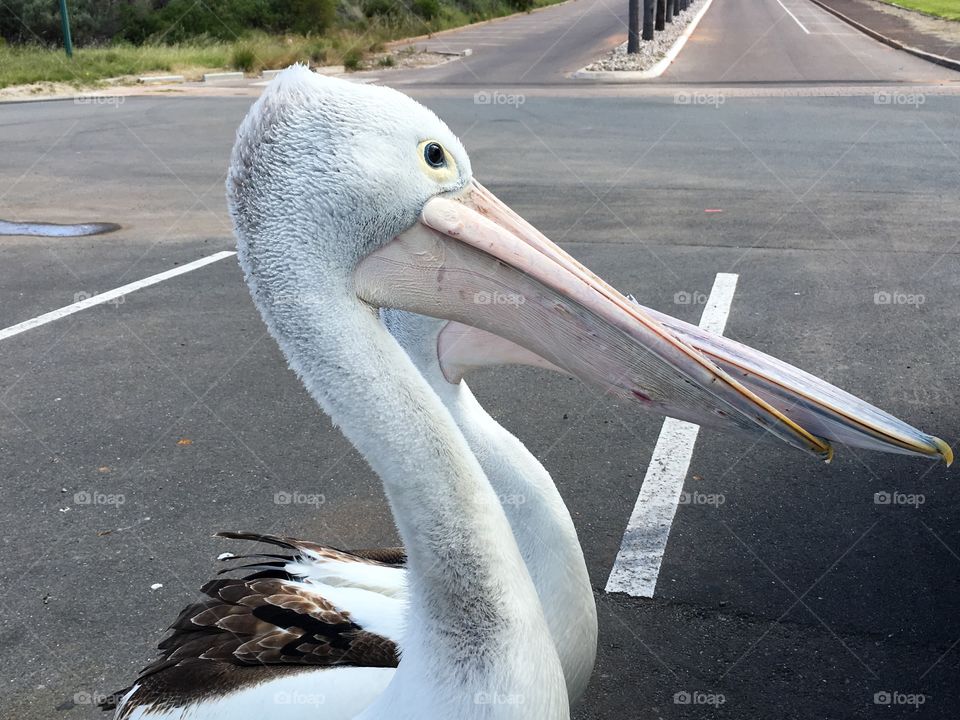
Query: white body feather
{"x":328,"y":694}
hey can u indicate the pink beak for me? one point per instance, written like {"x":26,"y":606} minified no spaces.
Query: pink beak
{"x":474,"y":261}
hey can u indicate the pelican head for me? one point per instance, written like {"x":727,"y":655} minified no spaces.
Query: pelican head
{"x":351,"y":166}
{"x":343,"y":189}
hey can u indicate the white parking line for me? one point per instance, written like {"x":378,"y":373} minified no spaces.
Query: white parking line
{"x":637,"y":565}
{"x":110,"y":295}
{"x":794,"y":17}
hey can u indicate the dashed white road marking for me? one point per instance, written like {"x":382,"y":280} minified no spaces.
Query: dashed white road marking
{"x":114,"y":294}
{"x":802,"y":27}
{"x":637,"y":565}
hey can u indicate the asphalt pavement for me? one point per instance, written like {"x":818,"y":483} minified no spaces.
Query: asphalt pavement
{"x":132,"y":431}
{"x":791,"y":41}
{"x":542,"y":47}
{"x":737,"y":41}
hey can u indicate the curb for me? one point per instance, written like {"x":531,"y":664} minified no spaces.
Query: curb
{"x":895,"y":44}
{"x":440,"y":33}
{"x":628,"y":76}
{"x":160,"y":79}
{"x":218,"y":76}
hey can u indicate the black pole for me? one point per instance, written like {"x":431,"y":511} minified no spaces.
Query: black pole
{"x":633,"y":26}
{"x":668,"y":11}
{"x":661,"y":15}
{"x":649,"y":10}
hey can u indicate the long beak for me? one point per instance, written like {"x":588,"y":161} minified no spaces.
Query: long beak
{"x":473,"y":260}
{"x":822,"y":408}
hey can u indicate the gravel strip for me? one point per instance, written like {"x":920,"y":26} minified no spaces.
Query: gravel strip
{"x":651,"y":51}
{"x":405,"y":58}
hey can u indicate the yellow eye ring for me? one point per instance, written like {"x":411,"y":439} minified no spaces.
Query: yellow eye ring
{"x":437,"y":163}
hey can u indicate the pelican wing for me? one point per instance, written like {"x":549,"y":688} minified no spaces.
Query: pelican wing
{"x":313,"y":609}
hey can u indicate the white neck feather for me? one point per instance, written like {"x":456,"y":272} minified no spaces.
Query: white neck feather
{"x":477,"y":644}
{"x":544,"y":532}
{"x":538,"y":517}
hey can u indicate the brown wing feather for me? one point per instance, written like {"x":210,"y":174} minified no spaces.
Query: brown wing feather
{"x":248,"y":629}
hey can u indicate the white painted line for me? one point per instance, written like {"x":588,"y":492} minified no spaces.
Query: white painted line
{"x":794,"y":17}
{"x":110,"y":295}
{"x":637,"y":565}
{"x":715,"y":314}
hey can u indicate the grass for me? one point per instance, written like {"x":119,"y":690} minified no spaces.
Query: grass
{"x":20,"y":65}
{"x":949,"y":9}
{"x":348,"y":46}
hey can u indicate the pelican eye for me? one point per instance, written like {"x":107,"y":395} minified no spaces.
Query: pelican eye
{"x":437,"y":164}
{"x":434,"y":155}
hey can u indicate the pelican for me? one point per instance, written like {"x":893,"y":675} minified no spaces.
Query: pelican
{"x":348,"y":199}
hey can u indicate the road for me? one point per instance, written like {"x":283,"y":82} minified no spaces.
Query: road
{"x":798,"y":597}
{"x":538,"y":48}
{"x":737,"y":41}
{"x":791,"y":41}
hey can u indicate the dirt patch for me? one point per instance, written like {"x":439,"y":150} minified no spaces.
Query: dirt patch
{"x":37,"y":90}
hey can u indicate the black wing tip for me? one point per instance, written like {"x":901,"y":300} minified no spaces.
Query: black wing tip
{"x":288,"y":543}
{"x":111,"y":701}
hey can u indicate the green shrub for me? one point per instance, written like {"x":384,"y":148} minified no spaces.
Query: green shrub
{"x":306,"y":16}
{"x":386,"y":61}
{"x":384,"y":8}
{"x":318,"y":51}
{"x":429,"y":9}
{"x":243,"y":58}
{"x":352,"y":59}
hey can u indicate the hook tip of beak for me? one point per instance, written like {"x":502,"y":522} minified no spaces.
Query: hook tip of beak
{"x":946,"y":452}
